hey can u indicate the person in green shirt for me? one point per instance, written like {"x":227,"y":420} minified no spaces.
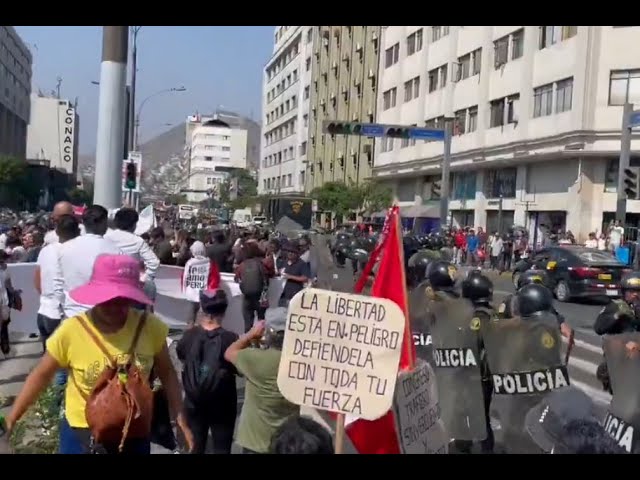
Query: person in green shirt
{"x":264,"y":409}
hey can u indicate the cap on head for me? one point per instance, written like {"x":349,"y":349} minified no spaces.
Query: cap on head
{"x":276,"y":319}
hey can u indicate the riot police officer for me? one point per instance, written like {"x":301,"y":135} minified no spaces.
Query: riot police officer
{"x":455,"y":334}
{"x":478,"y":288}
{"x":508,"y":308}
{"x":620,"y":316}
{"x":620,"y":323}
{"x":525,"y":359}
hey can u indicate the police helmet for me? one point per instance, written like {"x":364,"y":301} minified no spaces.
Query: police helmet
{"x":441,"y":274}
{"x":532,"y":276}
{"x":477,"y":287}
{"x":631,"y":281}
{"x":534,"y":298}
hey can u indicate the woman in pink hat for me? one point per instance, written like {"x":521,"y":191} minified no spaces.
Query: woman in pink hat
{"x":80,"y":345}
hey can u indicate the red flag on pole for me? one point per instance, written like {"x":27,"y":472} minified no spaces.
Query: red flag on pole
{"x":379,"y":436}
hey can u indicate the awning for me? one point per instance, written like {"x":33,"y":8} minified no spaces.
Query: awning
{"x":414,"y":211}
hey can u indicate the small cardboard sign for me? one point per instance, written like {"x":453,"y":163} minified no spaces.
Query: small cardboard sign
{"x":417,"y":412}
{"x":341,"y":352}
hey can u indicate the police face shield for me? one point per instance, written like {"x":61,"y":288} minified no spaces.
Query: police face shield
{"x":622,"y":420}
{"x":456,"y":351}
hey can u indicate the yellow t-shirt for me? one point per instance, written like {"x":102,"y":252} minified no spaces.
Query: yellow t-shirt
{"x":73,"y":348}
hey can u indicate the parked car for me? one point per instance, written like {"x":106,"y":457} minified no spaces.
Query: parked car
{"x":576,"y":271}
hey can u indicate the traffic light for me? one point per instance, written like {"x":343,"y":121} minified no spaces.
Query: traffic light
{"x":435,"y":190}
{"x":131,"y":177}
{"x":397,"y":132}
{"x":342,"y":128}
{"x":631,"y":187}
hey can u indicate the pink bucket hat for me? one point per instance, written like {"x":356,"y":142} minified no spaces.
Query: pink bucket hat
{"x":113,"y":276}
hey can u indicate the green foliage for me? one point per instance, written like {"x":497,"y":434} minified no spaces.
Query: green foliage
{"x":38,"y":430}
{"x":376,"y":196}
{"x":12,"y":170}
{"x":15,"y":187}
{"x":78,"y":196}
{"x":176,"y":199}
{"x":247,"y":187}
{"x":338,"y":198}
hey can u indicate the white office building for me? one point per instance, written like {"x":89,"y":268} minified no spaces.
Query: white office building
{"x":537,"y":119}
{"x":214,"y":148}
{"x":285,"y":112}
{"x":53,"y":133}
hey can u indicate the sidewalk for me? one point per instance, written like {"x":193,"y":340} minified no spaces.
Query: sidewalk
{"x":15,"y":367}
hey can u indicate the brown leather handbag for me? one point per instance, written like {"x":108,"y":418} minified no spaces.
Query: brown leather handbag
{"x":120,"y":406}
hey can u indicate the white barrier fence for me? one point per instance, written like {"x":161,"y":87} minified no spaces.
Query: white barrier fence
{"x":170,"y":306}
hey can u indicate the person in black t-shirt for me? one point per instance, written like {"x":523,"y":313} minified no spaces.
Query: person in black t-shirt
{"x":296,"y":272}
{"x":217,"y":412}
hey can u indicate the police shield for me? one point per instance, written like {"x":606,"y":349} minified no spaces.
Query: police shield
{"x":456,"y":350}
{"x":419,"y":321}
{"x":623,"y":415}
{"x":525,"y":361}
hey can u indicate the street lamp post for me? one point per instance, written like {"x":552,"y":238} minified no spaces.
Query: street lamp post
{"x":132,"y":95}
{"x":137,"y":121}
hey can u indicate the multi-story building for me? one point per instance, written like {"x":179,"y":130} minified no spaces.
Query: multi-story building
{"x":536,"y":114}
{"x":214,"y":148}
{"x":53,"y":133}
{"x":15,"y":88}
{"x":345,"y":79}
{"x":285,"y":112}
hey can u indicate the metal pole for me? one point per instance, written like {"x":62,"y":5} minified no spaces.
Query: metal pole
{"x":133,"y":143}
{"x":500,"y":216}
{"x":111,"y":116}
{"x":625,"y":155}
{"x":446,"y":161}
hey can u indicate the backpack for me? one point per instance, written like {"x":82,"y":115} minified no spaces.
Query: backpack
{"x":120,"y":406}
{"x":201,"y":372}
{"x":253,"y":278}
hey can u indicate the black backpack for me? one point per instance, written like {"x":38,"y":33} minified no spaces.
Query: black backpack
{"x":202,"y":372}
{"x":253,"y":278}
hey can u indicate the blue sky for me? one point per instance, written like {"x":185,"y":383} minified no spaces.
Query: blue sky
{"x":219,"y":66}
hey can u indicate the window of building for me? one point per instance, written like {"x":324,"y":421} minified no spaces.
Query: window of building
{"x":473,"y":119}
{"x":389,"y":98}
{"x":438,"y":32}
{"x":464,"y":67}
{"x":500,"y":182}
{"x":550,"y":35}
{"x":438,"y":78}
{"x":303,"y":149}
{"x":309,"y":35}
{"x":387,"y":144}
{"x":414,"y":42}
{"x":503,"y":109}
{"x":306,"y":92}
{"x":436,"y":123}
{"x":624,"y":86}
{"x":543,"y":100}
{"x":391,"y":55}
{"x":476,"y":62}
{"x":412,"y":89}
{"x":564,"y":94}
{"x":517,"y":44}
{"x":208,"y":159}
{"x":500,"y":51}
{"x":305,"y":120}
{"x":463,"y":185}
{"x":460,"y":122}
{"x":308,"y":64}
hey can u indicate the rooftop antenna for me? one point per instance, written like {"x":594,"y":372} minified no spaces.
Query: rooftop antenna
{"x":58,"y":83}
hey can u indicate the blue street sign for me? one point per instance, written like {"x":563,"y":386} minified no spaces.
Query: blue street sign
{"x":372,"y":130}
{"x":426,"y":134}
{"x":634,"y":121}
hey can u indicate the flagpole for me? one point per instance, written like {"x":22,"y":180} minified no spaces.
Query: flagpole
{"x":408,"y":336}
{"x":339,"y":443}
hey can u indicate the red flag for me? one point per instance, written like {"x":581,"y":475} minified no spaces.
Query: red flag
{"x":379,"y":436}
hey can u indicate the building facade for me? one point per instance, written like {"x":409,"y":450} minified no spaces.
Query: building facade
{"x":536,"y":113}
{"x":344,"y":84}
{"x":285,"y":112}
{"x":53,"y":133}
{"x":214,"y":148}
{"x":15,"y":89}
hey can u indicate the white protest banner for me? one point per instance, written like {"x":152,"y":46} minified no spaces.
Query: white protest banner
{"x":417,"y":412}
{"x":341,"y":352}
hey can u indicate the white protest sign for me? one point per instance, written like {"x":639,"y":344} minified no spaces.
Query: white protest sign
{"x":417,"y":412}
{"x":341,"y":352}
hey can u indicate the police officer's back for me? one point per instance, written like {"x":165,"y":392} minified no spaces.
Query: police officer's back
{"x":622,"y":316}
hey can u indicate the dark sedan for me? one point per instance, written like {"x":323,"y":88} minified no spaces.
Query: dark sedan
{"x":576,"y":271}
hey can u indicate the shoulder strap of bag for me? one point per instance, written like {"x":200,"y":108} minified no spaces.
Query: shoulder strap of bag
{"x":136,"y":336}
{"x":96,"y":340}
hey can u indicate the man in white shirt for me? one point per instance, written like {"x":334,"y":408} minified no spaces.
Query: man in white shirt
{"x":59,"y":209}
{"x":77,"y":256}
{"x":131,"y":244}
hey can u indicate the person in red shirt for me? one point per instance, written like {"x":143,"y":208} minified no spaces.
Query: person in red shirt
{"x":460,"y":244}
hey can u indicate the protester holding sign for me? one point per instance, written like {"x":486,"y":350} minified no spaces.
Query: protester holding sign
{"x":264,"y":409}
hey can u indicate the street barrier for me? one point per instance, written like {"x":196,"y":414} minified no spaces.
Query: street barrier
{"x":170,"y":306}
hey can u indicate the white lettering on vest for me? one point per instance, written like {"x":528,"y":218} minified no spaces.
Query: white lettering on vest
{"x":454,"y":358}
{"x":421,"y":339}
{"x":620,"y":431}
{"x":538,"y":381}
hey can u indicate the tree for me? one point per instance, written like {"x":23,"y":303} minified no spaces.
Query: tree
{"x":175,"y":199}
{"x":246,"y":184}
{"x":15,"y":187}
{"x":375,"y":196}
{"x":336,"y":197}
